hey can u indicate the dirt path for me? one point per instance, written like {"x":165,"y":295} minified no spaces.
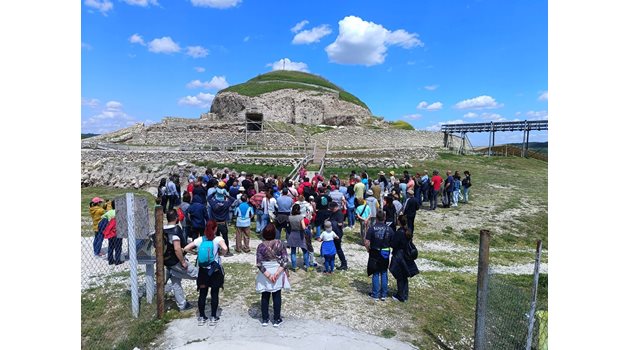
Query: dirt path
{"x":238,"y":330}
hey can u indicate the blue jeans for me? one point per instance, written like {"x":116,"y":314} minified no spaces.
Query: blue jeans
{"x":434,"y":198}
{"x":98,"y":243}
{"x":351,"y":216}
{"x":294,"y":257}
{"x":114,"y":250}
{"x":318,"y":231}
{"x":379,"y":290}
{"x":261,"y":221}
{"x":329,"y":263}
{"x":465,"y":193}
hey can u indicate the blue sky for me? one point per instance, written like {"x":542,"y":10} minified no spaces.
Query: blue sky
{"x":425,"y":62}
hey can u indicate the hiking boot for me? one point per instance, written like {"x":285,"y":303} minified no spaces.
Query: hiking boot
{"x":343,"y":267}
{"x":201,"y":321}
{"x":277,"y":322}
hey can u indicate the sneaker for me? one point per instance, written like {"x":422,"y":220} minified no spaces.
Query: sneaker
{"x":371,"y":296}
{"x":396,"y":298}
{"x":265,"y":323}
{"x":229,"y":254}
{"x":277,"y":323}
{"x":187,"y":306}
{"x":214,"y":320}
{"x":201,"y":321}
{"x":382,"y":298}
{"x":343,"y":267}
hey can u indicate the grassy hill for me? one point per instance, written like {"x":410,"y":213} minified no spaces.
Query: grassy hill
{"x":534,"y":146}
{"x":282,"y":79}
{"x":85,"y":136}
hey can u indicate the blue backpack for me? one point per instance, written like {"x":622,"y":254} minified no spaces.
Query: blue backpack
{"x":205,"y":253}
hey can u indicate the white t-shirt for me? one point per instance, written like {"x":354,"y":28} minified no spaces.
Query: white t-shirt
{"x":328,"y":236}
{"x":216,"y":241}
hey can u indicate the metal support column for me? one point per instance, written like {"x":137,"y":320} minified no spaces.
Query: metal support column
{"x":461,"y":150}
{"x":523,"y":144}
{"x":489,"y":143}
{"x":527,"y":143}
{"x":445,"y":139}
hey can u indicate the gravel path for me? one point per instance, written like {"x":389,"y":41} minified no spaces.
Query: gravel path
{"x":237,"y":330}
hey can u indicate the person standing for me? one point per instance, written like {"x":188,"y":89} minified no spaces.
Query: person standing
{"x":409,"y":210}
{"x":377,"y":243}
{"x":374,"y":205}
{"x":466,"y":183}
{"x":198,"y":216}
{"x":177,"y":266}
{"x":210,"y":275}
{"x":363,"y":214}
{"x":220,"y":206}
{"x":297,"y":237}
{"x":350,"y":205}
{"x":390,"y":212}
{"x":436,"y":183}
{"x":425,"y":184}
{"x":328,"y":249}
{"x":457,"y":184}
{"x":244,"y":214}
{"x":359,"y":190}
{"x":336,"y":219}
{"x":402,"y":266}
{"x":186,"y":222}
{"x":171,"y":193}
{"x":271,"y":261}
{"x":285,"y":203}
{"x":448,"y":189}
{"x":96,"y":212}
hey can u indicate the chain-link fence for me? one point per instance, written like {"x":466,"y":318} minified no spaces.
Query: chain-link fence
{"x":510,"y":314}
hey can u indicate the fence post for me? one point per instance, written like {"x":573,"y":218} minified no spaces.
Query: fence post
{"x":159,"y":249}
{"x":532,"y":307}
{"x":482,"y":290}
{"x":133,"y":262}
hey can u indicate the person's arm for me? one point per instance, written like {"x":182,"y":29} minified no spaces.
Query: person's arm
{"x":179,"y":254}
{"x":367,"y":245}
{"x":303,"y":224}
{"x":189,"y":247}
{"x":259,"y":260}
{"x":282,"y":260}
{"x":223,"y":247}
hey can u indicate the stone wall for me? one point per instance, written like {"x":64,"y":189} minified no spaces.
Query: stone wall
{"x":354,"y":137}
{"x":291,"y":106}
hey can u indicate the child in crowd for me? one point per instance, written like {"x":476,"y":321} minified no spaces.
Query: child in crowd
{"x":328,"y":249}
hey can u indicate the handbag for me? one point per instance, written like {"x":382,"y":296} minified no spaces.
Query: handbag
{"x":411,"y":253}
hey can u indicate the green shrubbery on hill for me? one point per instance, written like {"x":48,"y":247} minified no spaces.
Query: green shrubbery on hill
{"x":278,"y":80}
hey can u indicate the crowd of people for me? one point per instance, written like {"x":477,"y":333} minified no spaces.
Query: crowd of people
{"x":320,"y":209}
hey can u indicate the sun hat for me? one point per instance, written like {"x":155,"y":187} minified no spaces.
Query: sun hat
{"x":221,"y":184}
{"x":97,"y":200}
{"x":241,"y":188}
{"x":370,"y":192}
{"x":392,"y":173}
{"x":381,"y":172}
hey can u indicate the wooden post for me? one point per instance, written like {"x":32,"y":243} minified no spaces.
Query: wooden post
{"x":532,"y":307}
{"x":482,"y":290}
{"x":159,"y":249}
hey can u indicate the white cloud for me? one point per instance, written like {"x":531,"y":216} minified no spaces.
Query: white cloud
{"x":470,"y":115}
{"x":219,"y":4}
{"x":202,"y":100}
{"x":200,"y":69}
{"x":197,"y":51}
{"x":493,"y":117}
{"x":363,"y":42}
{"x":143,"y":3}
{"x":543,"y":96}
{"x":111,"y":118}
{"x":479,"y":102}
{"x":287,"y":64}
{"x":411,"y":63}
{"x":86,"y":46}
{"x":311,"y":35}
{"x":537,"y":115}
{"x":163,"y":45}
{"x":103,"y":6}
{"x":246,"y":39}
{"x":412,"y":116}
{"x":518,"y":114}
{"x":92,"y":103}
{"x":296,"y":28}
{"x":218,"y":83}
{"x":436,"y":106}
{"x":431,"y":87}
{"x":136,"y":39}
{"x":438,"y":126}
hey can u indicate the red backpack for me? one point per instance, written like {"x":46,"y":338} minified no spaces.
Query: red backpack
{"x":180,"y":215}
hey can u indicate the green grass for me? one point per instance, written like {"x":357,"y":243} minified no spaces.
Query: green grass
{"x":107,"y":323}
{"x":400,"y":124}
{"x":281,"y":79}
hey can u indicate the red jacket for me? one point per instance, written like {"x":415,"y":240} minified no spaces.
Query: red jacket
{"x":110,"y":229}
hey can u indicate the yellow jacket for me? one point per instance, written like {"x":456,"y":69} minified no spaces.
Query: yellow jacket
{"x":96,"y":212}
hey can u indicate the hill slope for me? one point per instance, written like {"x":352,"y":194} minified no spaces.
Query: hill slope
{"x":283,"y":79}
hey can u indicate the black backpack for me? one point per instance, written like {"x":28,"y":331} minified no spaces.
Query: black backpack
{"x":411,"y":252}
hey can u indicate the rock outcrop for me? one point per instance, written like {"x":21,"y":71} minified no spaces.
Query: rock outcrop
{"x":291,"y":106}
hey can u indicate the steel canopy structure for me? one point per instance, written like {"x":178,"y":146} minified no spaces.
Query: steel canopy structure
{"x":492,"y":127}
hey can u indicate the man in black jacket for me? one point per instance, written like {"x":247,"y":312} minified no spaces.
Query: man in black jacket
{"x":336,"y":219}
{"x":409,"y":210}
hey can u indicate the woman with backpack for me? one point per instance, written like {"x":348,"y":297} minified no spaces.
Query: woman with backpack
{"x":403,"y":265}
{"x":211,"y":275}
